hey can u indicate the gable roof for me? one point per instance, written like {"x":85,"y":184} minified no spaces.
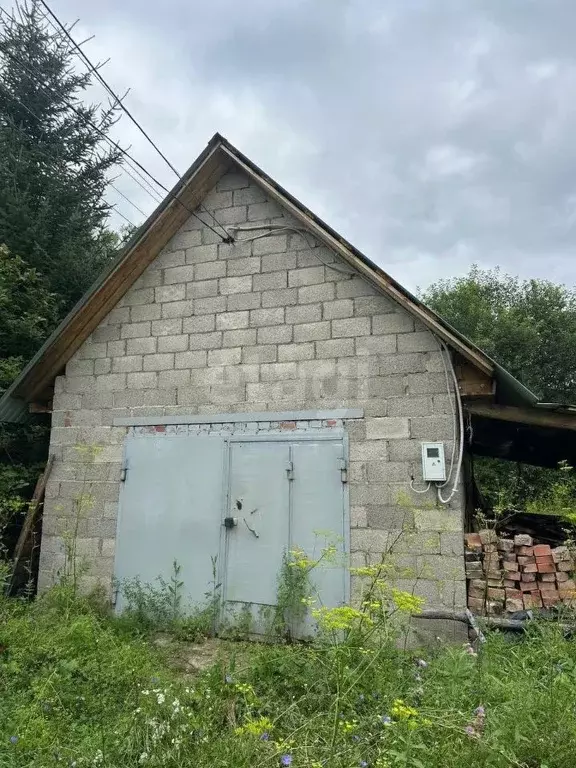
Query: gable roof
{"x":36,"y":380}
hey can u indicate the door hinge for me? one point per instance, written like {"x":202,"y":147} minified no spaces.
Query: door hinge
{"x":290,"y":470}
{"x":124,"y":471}
{"x":343,"y":470}
{"x":114,"y":599}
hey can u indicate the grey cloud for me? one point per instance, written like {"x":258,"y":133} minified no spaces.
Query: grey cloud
{"x":431,"y":133}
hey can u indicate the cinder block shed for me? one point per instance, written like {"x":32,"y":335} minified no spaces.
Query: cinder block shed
{"x":240,"y":379}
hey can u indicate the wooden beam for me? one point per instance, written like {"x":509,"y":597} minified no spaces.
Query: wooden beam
{"x":536,"y":417}
{"x":33,"y":507}
{"x":472,"y":382}
{"x":44,"y":407}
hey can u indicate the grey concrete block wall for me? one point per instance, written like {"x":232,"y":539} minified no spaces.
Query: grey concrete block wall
{"x":265,"y":324}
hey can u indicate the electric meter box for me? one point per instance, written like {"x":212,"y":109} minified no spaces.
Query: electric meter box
{"x":433,"y":462}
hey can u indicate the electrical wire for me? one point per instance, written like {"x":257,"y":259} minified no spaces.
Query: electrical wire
{"x":114,"y":144}
{"x":441,"y":349}
{"x":428,"y":485}
{"x":94,"y":69}
{"x":461,"y":436}
{"x":288,"y":228}
{"x":52,"y":157}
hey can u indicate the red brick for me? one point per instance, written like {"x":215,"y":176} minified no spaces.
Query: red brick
{"x":530,"y":568}
{"x":528,"y":577}
{"x":488,"y":536}
{"x":565,"y":565}
{"x":510,"y":583}
{"x":526,"y":586}
{"x":561,"y":576}
{"x":525,"y":559}
{"x":495,"y":582}
{"x":532,"y":601}
{"x":513,"y":605}
{"x":509,"y":557}
{"x":547,"y":586}
{"x":509,"y":566}
{"x":476,"y":604}
{"x":506,"y":545}
{"x":478,"y":593}
{"x":561,"y":553}
{"x":490,"y":549}
{"x":494,"y":593}
{"x":494,"y":607}
{"x":523,"y":540}
{"x":548,"y":576}
{"x":544,"y":560}
{"x":542,"y":549}
{"x":529,"y":551}
{"x":550,"y":598}
{"x":513,"y":594}
{"x":545,"y":567}
{"x":569,"y":584}
{"x":472,"y":539}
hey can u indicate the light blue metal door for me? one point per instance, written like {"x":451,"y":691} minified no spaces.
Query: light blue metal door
{"x":170,"y":506}
{"x":258,"y":503}
{"x":319,"y":523}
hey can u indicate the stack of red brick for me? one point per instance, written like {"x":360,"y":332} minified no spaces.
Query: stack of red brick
{"x":508,"y":575}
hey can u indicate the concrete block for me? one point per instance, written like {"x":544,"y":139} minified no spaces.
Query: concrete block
{"x":373,"y":305}
{"x":275,"y":334}
{"x":116,"y":348}
{"x":304,"y":313}
{"x":263,"y":211}
{"x":90,"y":351}
{"x":201,"y":254}
{"x":369,"y":540}
{"x":199,"y":324}
{"x":143,"y":346}
{"x":375,"y":345}
{"x":106,"y":333}
{"x":238,"y":301}
{"x":230,"y":356}
{"x":241,"y":338}
{"x":269,"y":281}
{"x":389,"y":517}
{"x":168,"y":258}
{"x":176,"y":292}
{"x":103,"y":365}
{"x":148,"y":380}
{"x":210,"y":306}
{"x":179,"y":274}
{"x":215,"y":199}
{"x":127,"y":364}
{"x":143,"y":296}
{"x":404,"y":363}
{"x":80,"y":367}
{"x":335,"y":310}
{"x":418,"y":405}
{"x":195,"y":359}
{"x":210,"y":270}
{"x":358,"y":517}
{"x":359,"y":368}
{"x":168,"y":327}
{"x":268,"y":316}
{"x":281,"y":297}
{"x":426,"y":383}
{"x":229,"y":285}
{"x":312,"y":331}
{"x":422,"y":341}
{"x":373,"y":450}
{"x":355,"y":286}
{"x":145,"y":312}
{"x":249,"y":195}
{"x":205,"y":340}
{"x":232,"y":180}
{"x":278,"y":371}
{"x":184,"y":239}
{"x":387,"y":428}
{"x":352,"y":326}
{"x":259,"y":354}
{"x":392,"y":322}
{"x":171,"y":379}
{"x":159,"y":362}
{"x":452,"y":544}
{"x":267,"y":245}
{"x":335,"y":348}
{"x":249,"y":265}
{"x":178,"y":309}
{"x":227,"y":394}
{"x":201,"y":289}
{"x":288,"y":352}
{"x":440,"y":519}
{"x":273,"y":262}
{"x":237,"y":214}
{"x":310,"y":294}
{"x":110,"y":382}
{"x":315,"y":257}
{"x":173,"y":343}
{"x":305,"y":276}
{"x":231,"y":321}
{"x":135,"y":330}
{"x":317,"y":369}
{"x":151,"y":278}
{"x":140,"y":397}
{"x":432,"y":427}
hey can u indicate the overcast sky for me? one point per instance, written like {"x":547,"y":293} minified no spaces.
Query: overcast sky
{"x":433,"y":134}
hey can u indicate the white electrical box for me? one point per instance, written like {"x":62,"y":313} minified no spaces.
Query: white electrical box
{"x":433,"y":462}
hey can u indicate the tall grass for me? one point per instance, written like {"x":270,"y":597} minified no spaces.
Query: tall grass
{"x":79,"y":688}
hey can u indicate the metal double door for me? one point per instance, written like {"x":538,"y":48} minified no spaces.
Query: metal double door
{"x":241,"y":503}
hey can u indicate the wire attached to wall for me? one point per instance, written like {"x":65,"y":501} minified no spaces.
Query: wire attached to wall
{"x":461,"y":433}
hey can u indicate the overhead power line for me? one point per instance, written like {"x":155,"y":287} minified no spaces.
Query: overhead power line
{"x":33,"y":74}
{"x":94,"y":69}
{"x":127,"y":199}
